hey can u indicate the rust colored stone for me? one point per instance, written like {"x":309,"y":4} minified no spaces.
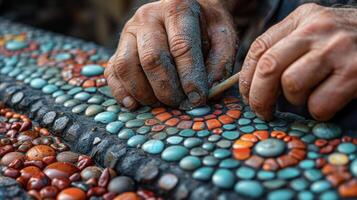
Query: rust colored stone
{"x":262,"y":135}
{"x":234,"y":113}
{"x":75,"y":177}
{"x":212,"y":124}
{"x":151,"y":122}
{"x":320,"y":142}
{"x":30,"y":171}
{"x":349,"y":189}
{"x":211,"y":116}
{"x":241,"y":153}
{"x":296,"y":144}
{"x":249,"y":138}
{"x":71,"y":194}
{"x":158,"y":110}
{"x":11,"y":157}
{"x":34,"y":194}
{"x":197,"y":126}
{"x":299,"y":154}
{"x":36,"y":163}
{"x":338,"y":178}
{"x":96,"y":191}
{"x":60,"y":170}
{"x":217,"y":131}
{"x":37,"y":181}
{"x":254,"y":161}
{"x":198,"y":119}
{"x":239,"y":144}
{"x":61,"y":183}
{"x":48,"y":192}
{"x":49,"y":159}
{"x":327,"y":149}
{"x":334,"y":142}
{"x":12,"y":173}
{"x":217,"y":112}
{"x":163,"y":116}
{"x":225,"y":119}
{"x":158,"y":128}
{"x":286,"y":161}
{"x":270,"y":165}
{"x":185,"y":125}
{"x":278,"y":134}
{"x":185,"y":117}
{"x":172,"y":122}
{"x":127,"y":196}
{"x":320,"y":162}
{"x":38,"y":152}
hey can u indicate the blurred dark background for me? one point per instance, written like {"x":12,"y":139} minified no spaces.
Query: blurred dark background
{"x":94,"y":20}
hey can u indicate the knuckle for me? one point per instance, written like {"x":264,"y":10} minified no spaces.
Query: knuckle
{"x":259,"y":46}
{"x":308,"y":6}
{"x":121,"y":66}
{"x":291,"y":84}
{"x":150,"y":60}
{"x":268,"y":65}
{"x":180,"y":45}
{"x":143,"y":11}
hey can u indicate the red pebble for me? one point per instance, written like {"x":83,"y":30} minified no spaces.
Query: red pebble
{"x":17,"y":164}
{"x":334,"y":142}
{"x":12,"y":173}
{"x":61,"y":183}
{"x":84,"y":162}
{"x":92,"y":182}
{"x":327,"y":149}
{"x":96,"y":191}
{"x":38,"y":181}
{"x":320,"y":162}
{"x":48,"y":192}
{"x":36,"y":163}
{"x":16,"y":126}
{"x":25,"y":126}
{"x":33,"y":193}
{"x":22,"y":181}
{"x":11,"y":133}
{"x":6,"y":149}
{"x":49,"y":159}
{"x":104,"y":178}
{"x":75,"y":177}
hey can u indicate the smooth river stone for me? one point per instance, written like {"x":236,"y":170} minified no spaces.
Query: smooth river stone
{"x":38,"y":152}
{"x":62,"y":56}
{"x":67,"y":156}
{"x":203,"y":173}
{"x":199,"y":111}
{"x":92,"y":70}
{"x":192,"y":142}
{"x":223,"y":178}
{"x":190,"y":163}
{"x":91,"y":172}
{"x":14,"y":45}
{"x":249,"y":188}
{"x":326,"y":131}
{"x":134,"y":123}
{"x":270,"y":147}
{"x":114,"y":127}
{"x":83,"y":96}
{"x":126,"y":134}
{"x":105,"y":117}
{"x":9,"y":157}
{"x":93,"y":110}
{"x":60,"y":170}
{"x":153,"y":146}
{"x":347,"y":148}
{"x":174,"y":153}
{"x":38,"y":83}
{"x":354,"y":168}
{"x":121,"y":184}
{"x":72,"y":193}
{"x":49,"y":89}
{"x":136,"y":140}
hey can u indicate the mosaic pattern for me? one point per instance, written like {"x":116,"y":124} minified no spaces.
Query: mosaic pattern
{"x":223,"y":143}
{"x":45,"y":167}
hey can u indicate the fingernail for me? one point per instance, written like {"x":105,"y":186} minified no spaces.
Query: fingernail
{"x":194,"y":97}
{"x":128,"y":101}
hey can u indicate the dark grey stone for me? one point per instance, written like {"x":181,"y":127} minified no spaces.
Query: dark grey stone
{"x":49,"y":117}
{"x":60,"y":124}
{"x":10,"y":189}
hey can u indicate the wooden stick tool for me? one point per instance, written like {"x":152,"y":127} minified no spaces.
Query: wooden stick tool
{"x":223,"y":86}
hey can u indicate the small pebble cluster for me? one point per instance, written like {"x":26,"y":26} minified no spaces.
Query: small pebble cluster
{"x":223,"y":143}
{"x":47,"y":169}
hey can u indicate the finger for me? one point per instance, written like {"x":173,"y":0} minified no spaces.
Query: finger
{"x":204,"y":35}
{"x":117,"y":89}
{"x":331,"y":96}
{"x":302,"y":76}
{"x":222,"y":53}
{"x":266,"y":80}
{"x":158,"y":65}
{"x":258,"y":48}
{"x":127,"y":68}
{"x":183,"y":29}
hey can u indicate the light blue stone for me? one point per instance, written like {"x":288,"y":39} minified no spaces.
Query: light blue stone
{"x":113,"y":108}
{"x":153,"y":146}
{"x":244,"y":121}
{"x":174,"y":140}
{"x":274,"y":184}
{"x":307,"y":164}
{"x":14,"y":45}
{"x":124,"y":117}
{"x":305,"y":195}
{"x":203,"y":173}
{"x":221,"y":153}
{"x":74,"y":90}
{"x":190,"y":163}
{"x":198,"y":151}
{"x":96,"y":99}
{"x":199,"y":111}
{"x":329,"y":195}
{"x":125,"y":134}
{"x":174,"y":153}
{"x":62,"y":56}
{"x":109,"y":102}
{"x":192,"y":142}
{"x":313,"y":174}
{"x":229,"y":163}
{"x":143,"y":130}
{"x":245,"y":172}
{"x":70,"y":103}
{"x":210,"y":161}
{"x":144,"y":116}
{"x":261,"y":127}
{"x":354,"y":168}
{"x":159,"y":136}
{"x":326,"y":131}
{"x":288,"y":173}
{"x":203,"y":133}
{"x":299,"y":184}
{"x":114,"y":127}
{"x":214,"y":138}
{"x":265,"y":175}
{"x":223,"y":178}
{"x":248,"y":188}
{"x":313,"y":155}
{"x":57,"y":93}
{"x":230,"y":135}
{"x":208,"y":146}
{"x":270,"y":147}
{"x":228,"y":127}
{"x":92,"y":70}
{"x":258,"y":121}
{"x":79,"y":108}
{"x":346,"y":148}
{"x":136,"y":140}
{"x":320,"y":186}
{"x":83,"y":96}
{"x":105,"y":117}
{"x":187,"y":133}
{"x":90,"y":89}
{"x":224,"y":144}
{"x":171,"y":130}
{"x":283,"y":194}
{"x":246,"y":129}
{"x":49,"y":89}
{"x":62,"y":98}
{"x":134,"y":123}
{"x":105,"y":90}
{"x":38,"y":83}
{"x":249,"y":115}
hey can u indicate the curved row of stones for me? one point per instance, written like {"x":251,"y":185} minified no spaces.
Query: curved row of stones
{"x":47,"y":169}
{"x":224,"y":143}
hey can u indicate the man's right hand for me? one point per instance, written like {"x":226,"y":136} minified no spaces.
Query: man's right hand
{"x":172,"y":51}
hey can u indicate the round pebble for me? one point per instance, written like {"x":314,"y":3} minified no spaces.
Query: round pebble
{"x":203,"y":173}
{"x":338,"y":159}
{"x":174,"y":153}
{"x":190,"y":163}
{"x":153,"y":146}
{"x":223,"y":178}
{"x":121,"y":184}
{"x":248,"y":188}
{"x":347,"y":148}
{"x":270,"y":147}
{"x":326,"y":131}
{"x":136,"y":140}
{"x":92,"y":70}
{"x":71,"y":194}
{"x":38,"y":152}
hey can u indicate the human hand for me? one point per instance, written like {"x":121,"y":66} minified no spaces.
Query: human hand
{"x":311,"y":56}
{"x":172,"y":51}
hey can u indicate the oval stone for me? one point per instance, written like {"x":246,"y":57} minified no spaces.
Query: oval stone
{"x":190,"y":163}
{"x":9,"y":157}
{"x":121,"y":184}
{"x":67,"y":156}
{"x":347,"y":148}
{"x":203,"y":173}
{"x":14,"y":45}
{"x":354,"y":168}
{"x":136,"y":140}
{"x":105,"y":117}
{"x":153,"y":146}
{"x":223,"y":178}
{"x":92,"y":70}
{"x":38,"y":152}
{"x":270,"y":147}
{"x":38,"y":83}
{"x":326,"y":131}
{"x":72,"y":193}
{"x":91,"y":172}
{"x":174,"y":153}
{"x":60,"y":170}
{"x":199,"y":111}
{"x":248,"y":188}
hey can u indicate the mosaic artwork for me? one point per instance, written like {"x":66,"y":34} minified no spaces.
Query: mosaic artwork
{"x":223,"y":147}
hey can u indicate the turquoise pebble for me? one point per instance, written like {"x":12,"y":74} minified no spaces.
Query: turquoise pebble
{"x":249,"y":115}
{"x":230,"y":135}
{"x":83,"y":96}
{"x":283,"y":194}
{"x":153,"y":146}
{"x":96,"y":99}
{"x":326,"y":131}
{"x":265,"y":175}
{"x":143,"y":130}
{"x":313,"y":174}
{"x":192,"y":142}
{"x":203,"y":133}
{"x":134,"y":123}
{"x":187,"y":133}
{"x":109,"y":102}
{"x":14,"y":45}
{"x":125,"y":134}
{"x":229,"y":163}
{"x":93,"y":110}
{"x":329,"y":195}
{"x":49,"y":89}
{"x":288,"y":173}
{"x":171,"y":130}
{"x":221,"y":153}
{"x":244,"y":121}
{"x":174,"y":153}
{"x":159,"y":136}
{"x":136,"y":140}
{"x":297,"y":126}
{"x":274,"y":184}
{"x":245,"y":172}
{"x":299,"y":184}
{"x":113,"y":108}
{"x":105,"y":117}
{"x":199,"y":111}
{"x":320,"y":186}
{"x":313,"y":155}
{"x":246,"y":129}
{"x":124,"y":117}
{"x":92,"y":70}
{"x":223,"y":178}
{"x":203,"y":173}
{"x":62,"y":98}
{"x":346,"y":148}
{"x":249,"y":188}
{"x":105,"y":90}
{"x":144,"y":116}
{"x":210,"y":161}
{"x":71,"y":102}
{"x":174,"y":140}
{"x":309,"y":138}
{"x":214,"y":138}
{"x":57,"y":93}
{"x":354,"y":168}
{"x":208,"y":146}
{"x":38,"y":83}
{"x":229,"y":127}
{"x":296,"y":133}
{"x":224,"y":144}
{"x":74,"y":90}
{"x":305,"y":195}
{"x":114,"y":127}
{"x":307,"y":164}
{"x":270,"y":147}
{"x":198,"y":151}
{"x":62,"y":56}
{"x":190,"y":163}
{"x":258,"y":121}
{"x":91,"y":89}
{"x":79,"y":108}
{"x":261,"y":127}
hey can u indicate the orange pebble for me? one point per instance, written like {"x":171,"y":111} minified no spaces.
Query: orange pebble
{"x":225,"y":119}
{"x":213,"y":123}
{"x":163,"y":116}
{"x":240,"y":144}
{"x":172,"y":122}
{"x":158,"y":110}
{"x":197,"y":126}
{"x":242,"y":153}
{"x":234,"y":113}
{"x":249,"y":138}
{"x":278,"y":134}
{"x":127,"y":196}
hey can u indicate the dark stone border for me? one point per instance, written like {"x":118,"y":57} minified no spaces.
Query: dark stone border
{"x":85,"y":136}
